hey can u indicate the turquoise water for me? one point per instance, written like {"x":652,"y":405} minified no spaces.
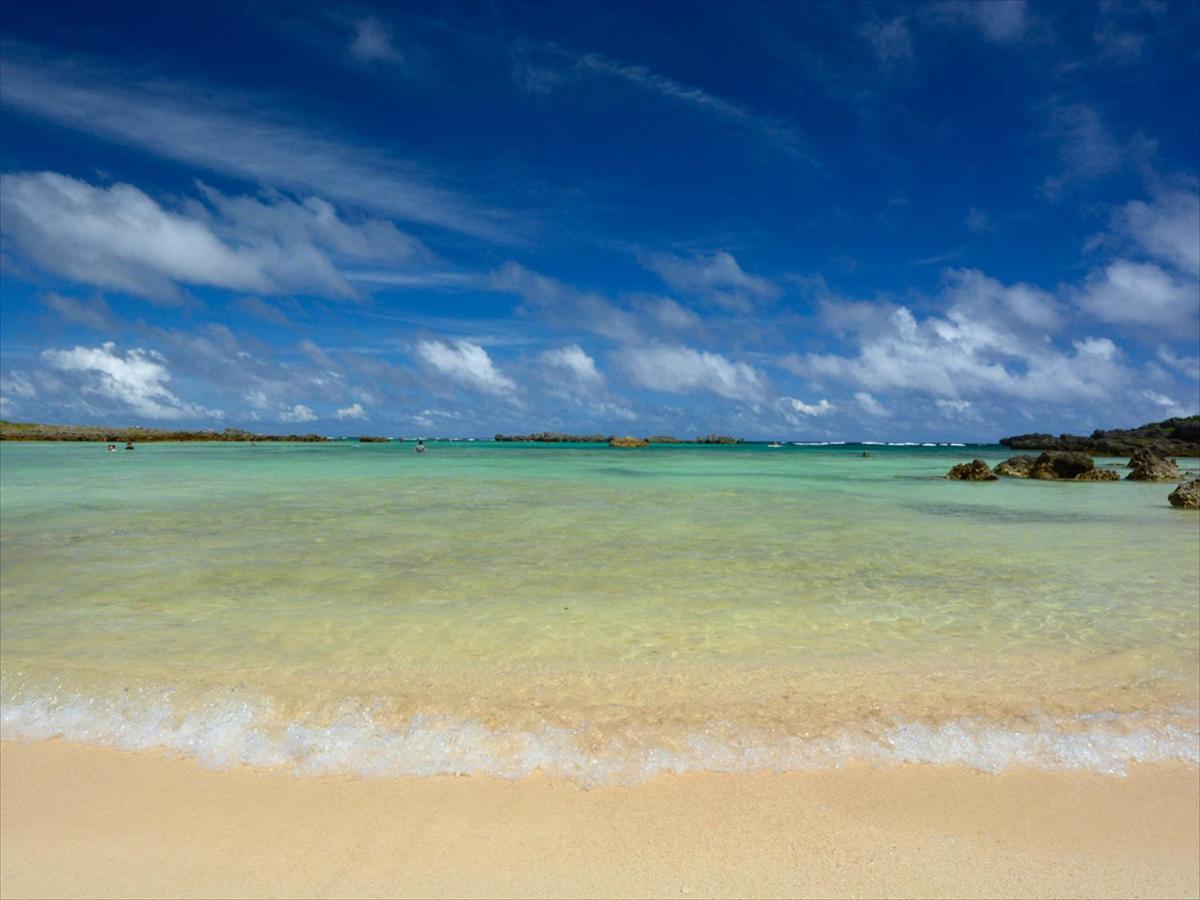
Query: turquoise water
{"x":596,"y":613}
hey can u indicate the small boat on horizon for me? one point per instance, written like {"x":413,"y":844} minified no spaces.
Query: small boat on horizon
{"x":774,"y":444}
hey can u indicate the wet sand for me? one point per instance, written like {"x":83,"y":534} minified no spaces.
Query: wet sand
{"x":82,"y":821}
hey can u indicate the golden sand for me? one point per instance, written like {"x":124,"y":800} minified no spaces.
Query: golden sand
{"x":81,"y":821}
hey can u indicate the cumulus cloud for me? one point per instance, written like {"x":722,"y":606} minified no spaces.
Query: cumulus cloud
{"x":573,"y":362}
{"x":715,"y":278}
{"x":136,"y":379}
{"x":118,"y":237}
{"x":1129,"y":293}
{"x":1019,"y":306}
{"x":870,"y":405}
{"x":683,"y":370}
{"x":820,"y":408}
{"x":353,"y":411}
{"x":298,"y":413}
{"x":466,"y":364}
{"x":958,"y":355}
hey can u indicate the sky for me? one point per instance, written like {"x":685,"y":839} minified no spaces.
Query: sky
{"x":841,"y":221}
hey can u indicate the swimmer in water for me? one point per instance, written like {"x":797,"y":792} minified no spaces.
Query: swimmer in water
{"x":112,"y":448}
{"x":420,"y":448}
{"x":129,"y":446}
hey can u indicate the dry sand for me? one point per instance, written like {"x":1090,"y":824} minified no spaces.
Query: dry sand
{"x":77,"y":821}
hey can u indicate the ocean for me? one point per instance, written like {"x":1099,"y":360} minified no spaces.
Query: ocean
{"x":597,"y":614}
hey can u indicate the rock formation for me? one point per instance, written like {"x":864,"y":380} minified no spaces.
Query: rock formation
{"x":1170,"y":437}
{"x":975,"y":470}
{"x":1150,"y":466}
{"x":628,"y":442}
{"x":1187,"y":495}
{"x":1098,"y":475}
{"x":1061,"y":465}
{"x":1016,"y":466}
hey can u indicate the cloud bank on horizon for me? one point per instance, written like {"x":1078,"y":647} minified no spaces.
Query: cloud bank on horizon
{"x":944,"y":220}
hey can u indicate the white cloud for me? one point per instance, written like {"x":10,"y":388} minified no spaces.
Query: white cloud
{"x":962,"y":356}
{"x":1129,"y":293}
{"x":1167,"y":229}
{"x":373,"y":42}
{"x":118,"y":237}
{"x":1020,"y":306}
{"x":298,"y":413}
{"x":716,"y":278}
{"x":956,"y":408}
{"x":870,"y":405}
{"x":136,"y":379}
{"x":466,"y":364}
{"x":575,"y":363}
{"x":820,"y":408}
{"x":565,"y":306}
{"x":229,"y":134}
{"x":1188,"y":365}
{"x":683,"y":370}
{"x":353,"y":411}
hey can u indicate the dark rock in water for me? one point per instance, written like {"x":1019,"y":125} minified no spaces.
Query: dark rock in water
{"x":627,"y":442}
{"x":1147,"y":465}
{"x":1187,"y":495}
{"x":1170,"y":437}
{"x":1016,"y":466}
{"x":975,"y":470}
{"x":1061,"y":464}
{"x":1098,"y":475}
{"x":718,"y":439}
{"x":368,"y":439}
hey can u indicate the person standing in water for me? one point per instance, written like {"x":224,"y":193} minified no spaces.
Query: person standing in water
{"x":420,"y":448}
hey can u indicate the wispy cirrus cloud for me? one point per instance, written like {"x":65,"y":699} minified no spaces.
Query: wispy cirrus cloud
{"x":228,"y":134}
{"x":558,"y":65}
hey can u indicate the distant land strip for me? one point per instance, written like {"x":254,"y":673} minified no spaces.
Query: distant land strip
{"x":1179,"y":436}
{"x":33,"y":431}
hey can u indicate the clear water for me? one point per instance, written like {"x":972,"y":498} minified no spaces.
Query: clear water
{"x":596,"y":613}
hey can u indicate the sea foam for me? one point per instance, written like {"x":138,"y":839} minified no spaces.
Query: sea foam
{"x":356,"y":742}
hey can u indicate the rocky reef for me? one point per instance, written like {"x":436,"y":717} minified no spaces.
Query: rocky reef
{"x":1171,"y":437}
{"x":1186,"y":496}
{"x":628,"y":442}
{"x":33,"y":431}
{"x":368,"y":439}
{"x":975,"y":470}
{"x":1056,"y":465}
{"x":718,"y":439}
{"x":1147,"y":465}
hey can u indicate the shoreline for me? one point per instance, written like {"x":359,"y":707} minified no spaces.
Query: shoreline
{"x":86,"y":821}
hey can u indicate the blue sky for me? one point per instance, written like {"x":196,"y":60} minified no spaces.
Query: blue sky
{"x":812,"y":221}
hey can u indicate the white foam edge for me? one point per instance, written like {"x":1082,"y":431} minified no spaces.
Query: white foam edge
{"x":236,"y":732}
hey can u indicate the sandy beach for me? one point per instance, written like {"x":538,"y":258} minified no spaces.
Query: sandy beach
{"x":80,"y":821}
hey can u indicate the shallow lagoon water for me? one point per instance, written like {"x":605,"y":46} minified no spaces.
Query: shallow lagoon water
{"x":596,"y":613}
